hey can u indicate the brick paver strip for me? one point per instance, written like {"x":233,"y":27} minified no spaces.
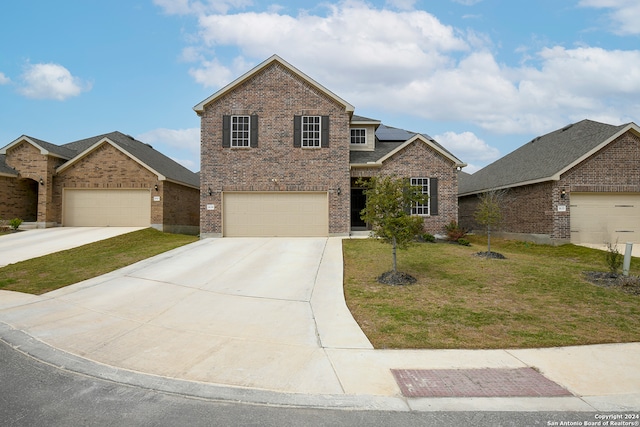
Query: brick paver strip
{"x":489,"y":382}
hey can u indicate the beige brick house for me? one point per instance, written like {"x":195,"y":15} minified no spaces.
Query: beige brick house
{"x":106,"y":180}
{"x":578,"y":184}
{"x":281,"y":155}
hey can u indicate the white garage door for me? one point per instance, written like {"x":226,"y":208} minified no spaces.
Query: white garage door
{"x":101,"y":208}
{"x":605,"y":217}
{"x":280,"y":214}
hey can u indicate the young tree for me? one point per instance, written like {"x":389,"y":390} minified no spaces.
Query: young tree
{"x":489,"y":211}
{"x":388,"y":210}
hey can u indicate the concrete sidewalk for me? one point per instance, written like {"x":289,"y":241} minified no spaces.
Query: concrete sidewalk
{"x":16,"y":247}
{"x":254,"y":328}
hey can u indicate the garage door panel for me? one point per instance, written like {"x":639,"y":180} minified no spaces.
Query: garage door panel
{"x":605,"y":217}
{"x":281,"y":214}
{"x":102,"y":208}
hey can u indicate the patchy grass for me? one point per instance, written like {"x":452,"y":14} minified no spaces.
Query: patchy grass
{"x":49,"y":272}
{"x":536,"y":297}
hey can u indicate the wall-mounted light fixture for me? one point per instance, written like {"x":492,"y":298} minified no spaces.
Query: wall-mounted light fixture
{"x":41,"y":181}
{"x":339,"y":191}
{"x":563,"y":193}
{"x":210,"y":191}
{"x":156,"y":187}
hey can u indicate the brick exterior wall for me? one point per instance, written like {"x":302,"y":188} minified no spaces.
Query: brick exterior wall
{"x":533,"y":209}
{"x":180,"y":212}
{"x":275,"y":95}
{"x":31,"y":164}
{"x":418,"y":160}
{"x":19,"y":198}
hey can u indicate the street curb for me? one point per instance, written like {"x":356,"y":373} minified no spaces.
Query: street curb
{"x":43,"y":352}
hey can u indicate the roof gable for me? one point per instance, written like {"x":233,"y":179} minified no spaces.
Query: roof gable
{"x":152,"y":160}
{"x":547,"y":157}
{"x":199,"y":108}
{"x":46,"y":148}
{"x":390,"y":140}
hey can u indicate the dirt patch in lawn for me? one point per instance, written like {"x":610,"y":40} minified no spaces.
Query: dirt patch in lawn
{"x":628,"y":284}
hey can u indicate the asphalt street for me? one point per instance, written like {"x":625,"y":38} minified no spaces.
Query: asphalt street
{"x":36,"y":394}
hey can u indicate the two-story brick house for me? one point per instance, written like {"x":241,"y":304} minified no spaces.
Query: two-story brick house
{"x":280,"y":156}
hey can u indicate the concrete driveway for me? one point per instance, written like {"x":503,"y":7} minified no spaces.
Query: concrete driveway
{"x":16,"y":247}
{"x":227,"y":311}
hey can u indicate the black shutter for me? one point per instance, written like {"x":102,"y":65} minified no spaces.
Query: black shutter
{"x":254,"y":131}
{"x":226,"y":131}
{"x":297,"y":131}
{"x":324,"y":131}
{"x":433,"y":196}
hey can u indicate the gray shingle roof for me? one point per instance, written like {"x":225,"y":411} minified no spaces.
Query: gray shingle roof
{"x":388,"y":139}
{"x":54,"y":149}
{"x":4,"y":168}
{"x":143,"y":152}
{"x":541,"y":158}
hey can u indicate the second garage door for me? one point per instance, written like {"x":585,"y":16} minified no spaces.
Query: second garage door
{"x":102,"y":208}
{"x":605,"y":217}
{"x":279,"y":214}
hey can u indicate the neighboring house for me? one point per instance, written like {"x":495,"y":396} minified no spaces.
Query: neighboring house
{"x":578,"y":184}
{"x":281,"y":155}
{"x":106,"y":180}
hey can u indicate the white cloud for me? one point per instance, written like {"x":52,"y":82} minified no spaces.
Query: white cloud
{"x":625,"y":14}
{"x":182,"y":145}
{"x":51,"y":81}
{"x":408,"y":62}
{"x":4,"y":80}
{"x":468,"y":146}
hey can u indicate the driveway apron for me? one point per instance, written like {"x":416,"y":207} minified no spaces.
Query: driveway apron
{"x":229,"y":311}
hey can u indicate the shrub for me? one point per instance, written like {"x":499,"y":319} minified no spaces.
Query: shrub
{"x":454,"y":231}
{"x":426,"y":237}
{"x":4,"y":225}
{"x":613,"y":258}
{"x":15,"y":223}
{"x":464,"y":242}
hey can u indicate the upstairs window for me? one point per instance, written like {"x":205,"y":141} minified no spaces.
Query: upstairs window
{"x":240,"y":131}
{"x":311,"y":131}
{"x":358,"y":136}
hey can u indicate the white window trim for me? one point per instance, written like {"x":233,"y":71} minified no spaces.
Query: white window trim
{"x":240,"y":142}
{"x":418,"y":209}
{"x":363,"y":136}
{"x":305,"y":140}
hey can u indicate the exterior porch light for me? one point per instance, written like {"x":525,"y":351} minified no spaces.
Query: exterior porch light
{"x":563,"y":193}
{"x":41,"y":181}
{"x":339,"y":191}
{"x":156,"y":187}
{"x":210,"y":191}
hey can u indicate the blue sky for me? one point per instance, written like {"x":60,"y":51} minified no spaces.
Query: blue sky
{"x":481,"y":76}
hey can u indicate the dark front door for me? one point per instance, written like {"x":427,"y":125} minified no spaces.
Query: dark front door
{"x":358,"y":202}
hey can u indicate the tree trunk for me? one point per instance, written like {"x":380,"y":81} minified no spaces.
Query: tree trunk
{"x":488,"y":238}
{"x":395,"y":262}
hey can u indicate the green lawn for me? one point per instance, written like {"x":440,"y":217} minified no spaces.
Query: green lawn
{"x":49,"y":272}
{"x":537,"y":297}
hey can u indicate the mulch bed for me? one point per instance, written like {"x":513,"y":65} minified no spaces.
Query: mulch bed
{"x":396,"y":278}
{"x":492,"y":255}
{"x":628,"y":284}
